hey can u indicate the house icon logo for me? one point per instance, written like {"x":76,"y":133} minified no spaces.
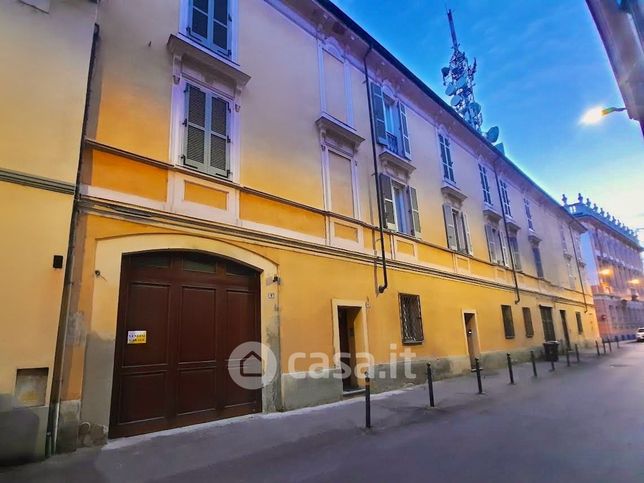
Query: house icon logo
{"x":252,"y":365}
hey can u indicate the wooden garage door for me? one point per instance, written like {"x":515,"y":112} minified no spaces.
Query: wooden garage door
{"x":194,"y":310}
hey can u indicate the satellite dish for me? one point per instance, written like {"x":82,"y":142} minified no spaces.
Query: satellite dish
{"x":445,"y":71}
{"x":500,"y":147}
{"x":456,"y":100}
{"x":468,"y":116}
{"x":493,"y":134}
{"x":461,"y":82}
{"x":450,"y":90}
{"x":475,"y":108}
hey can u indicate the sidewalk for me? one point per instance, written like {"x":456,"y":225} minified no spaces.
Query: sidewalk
{"x":163,"y":454}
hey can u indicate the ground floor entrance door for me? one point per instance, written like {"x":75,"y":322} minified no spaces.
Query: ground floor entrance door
{"x":346,"y":331}
{"x":472,"y":337}
{"x":564,"y":325}
{"x":548,"y":324}
{"x":180,"y":316}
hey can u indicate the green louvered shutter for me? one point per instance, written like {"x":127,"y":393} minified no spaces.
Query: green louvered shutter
{"x":387,"y":198}
{"x":450,"y":229}
{"x":404,"y":131}
{"x":378,"y":107}
{"x":415,"y":215}
{"x":195,"y":124}
{"x":218,"y":149}
{"x":491,"y":243}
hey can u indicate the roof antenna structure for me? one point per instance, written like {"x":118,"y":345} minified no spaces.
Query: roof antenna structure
{"x":458,"y":77}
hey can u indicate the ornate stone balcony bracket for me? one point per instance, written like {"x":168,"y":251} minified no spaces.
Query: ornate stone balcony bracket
{"x":183,"y":47}
{"x":338,"y":134}
{"x":450,"y":191}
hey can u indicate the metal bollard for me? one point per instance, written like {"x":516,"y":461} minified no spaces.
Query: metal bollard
{"x":610,"y":345}
{"x":534,"y":364}
{"x":510,"y":372}
{"x":597,"y":347}
{"x":604,"y":345}
{"x":552,"y":365}
{"x":478,"y":375}
{"x":577,"y":352}
{"x":367,"y":399}
{"x":568,"y":358}
{"x":617,"y":341}
{"x":430,"y":384}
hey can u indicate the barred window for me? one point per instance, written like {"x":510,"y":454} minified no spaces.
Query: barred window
{"x":410,"y":319}
{"x":580,"y":326}
{"x":527,"y":321}
{"x":508,"y":323}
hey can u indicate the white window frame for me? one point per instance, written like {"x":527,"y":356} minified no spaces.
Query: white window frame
{"x":464,"y":243}
{"x":505,"y":198}
{"x":328,"y":201}
{"x":562,"y":235}
{"x":332,"y":47}
{"x":404,"y":218}
{"x":447,"y":163}
{"x":233,"y":11}
{"x":502,"y":252}
{"x":178,"y":131}
{"x":528,"y":213}
{"x":485,"y":185}
{"x":536,"y":249}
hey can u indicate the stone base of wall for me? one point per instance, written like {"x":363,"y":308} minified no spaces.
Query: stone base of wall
{"x":23,"y":432}
{"x":68,"y":422}
{"x":302,"y":389}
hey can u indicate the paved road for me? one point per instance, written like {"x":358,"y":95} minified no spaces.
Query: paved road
{"x":579,"y":424}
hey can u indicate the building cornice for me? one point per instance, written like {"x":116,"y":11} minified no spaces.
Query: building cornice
{"x":39,"y":182}
{"x":152,"y":217}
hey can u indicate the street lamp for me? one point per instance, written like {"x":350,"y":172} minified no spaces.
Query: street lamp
{"x":595,"y":114}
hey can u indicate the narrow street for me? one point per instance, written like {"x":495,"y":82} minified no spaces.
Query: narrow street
{"x":583,"y":423}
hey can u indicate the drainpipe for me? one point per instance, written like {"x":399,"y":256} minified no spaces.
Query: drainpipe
{"x":581,"y":280}
{"x":507,"y":236}
{"x":383,"y":287}
{"x":61,"y":338}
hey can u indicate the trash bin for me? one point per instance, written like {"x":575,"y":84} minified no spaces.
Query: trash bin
{"x":551,"y":350}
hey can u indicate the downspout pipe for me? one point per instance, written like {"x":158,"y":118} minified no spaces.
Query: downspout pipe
{"x":61,"y":339}
{"x":507,"y":237}
{"x":581,"y":280}
{"x":385,"y":284}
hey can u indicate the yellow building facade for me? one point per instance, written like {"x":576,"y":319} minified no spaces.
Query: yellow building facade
{"x":229,"y":193}
{"x":45,"y":49}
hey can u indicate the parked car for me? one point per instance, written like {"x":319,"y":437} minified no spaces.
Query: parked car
{"x":639,"y":335}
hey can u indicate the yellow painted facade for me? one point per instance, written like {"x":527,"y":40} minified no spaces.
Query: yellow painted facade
{"x":298,"y":202}
{"x":45,"y":49}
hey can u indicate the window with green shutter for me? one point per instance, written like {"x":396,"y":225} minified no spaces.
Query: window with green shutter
{"x":209,"y":23}
{"x":508,"y":323}
{"x":206,"y":146}
{"x":580,"y":325}
{"x":527,"y":322}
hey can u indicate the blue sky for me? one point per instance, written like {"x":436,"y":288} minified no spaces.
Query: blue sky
{"x":541,"y":64}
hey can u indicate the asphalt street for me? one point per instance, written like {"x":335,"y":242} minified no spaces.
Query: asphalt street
{"x":583,"y":423}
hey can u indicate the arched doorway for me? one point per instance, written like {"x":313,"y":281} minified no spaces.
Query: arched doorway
{"x":180,"y":315}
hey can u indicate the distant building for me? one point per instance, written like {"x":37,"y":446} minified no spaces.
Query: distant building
{"x":611,"y":253}
{"x":621,"y":26}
